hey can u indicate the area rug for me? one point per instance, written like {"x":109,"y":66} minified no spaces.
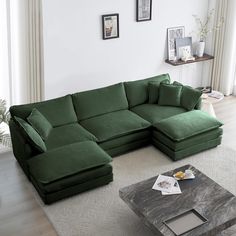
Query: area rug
{"x":101,"y":212}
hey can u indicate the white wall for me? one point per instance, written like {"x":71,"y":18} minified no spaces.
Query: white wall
{"x":76,"y":58}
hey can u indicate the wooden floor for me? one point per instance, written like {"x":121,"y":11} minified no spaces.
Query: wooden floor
{"x":226,"y":112}
{"x":21,"y":215}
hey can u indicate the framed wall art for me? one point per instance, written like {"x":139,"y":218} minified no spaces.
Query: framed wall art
{"x":144,"y":10}
{"x":172,"y":34}
{"x":183,"y":46}
{"x":110,"y":26}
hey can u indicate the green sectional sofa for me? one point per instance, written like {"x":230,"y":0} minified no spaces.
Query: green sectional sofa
{"x":64,"y":145}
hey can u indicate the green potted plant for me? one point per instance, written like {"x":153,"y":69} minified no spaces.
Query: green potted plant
{"x":5,"y":139}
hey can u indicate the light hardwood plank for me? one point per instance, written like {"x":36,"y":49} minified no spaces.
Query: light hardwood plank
{"x":20,"y":214}
{"x":226,"y":112}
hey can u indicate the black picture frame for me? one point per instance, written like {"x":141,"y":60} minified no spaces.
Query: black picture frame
{"x":143,"y":10}
{"x":110,"y":26}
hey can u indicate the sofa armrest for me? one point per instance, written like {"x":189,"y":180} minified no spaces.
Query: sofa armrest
{"x":21,"y":148}
{"x":199,"y":104}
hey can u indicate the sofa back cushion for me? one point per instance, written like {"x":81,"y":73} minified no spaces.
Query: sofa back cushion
{"x":137,"y":91}
{"x":100,"y":101}
{"x":59,"y":111}
{"x":153,"y":90}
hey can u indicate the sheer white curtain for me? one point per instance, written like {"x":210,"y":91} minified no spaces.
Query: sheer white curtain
{"x":234,"y":83}
{"x":234,"y":86}
{"x":218,"y":43}
{"x":35,"y":51}
{"x":4,"y":55}
{"x":5,"y":70}
{"x":224,"y":65}
{"x":26,"y":51}
{"x":21,"y":79}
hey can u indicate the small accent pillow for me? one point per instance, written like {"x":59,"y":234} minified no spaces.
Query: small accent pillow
{"x":190,"y":96}
{"x":33,"y":137}
{"x":169,"y":95}
{"x":153,"y":90}
{"x":40,"y":123}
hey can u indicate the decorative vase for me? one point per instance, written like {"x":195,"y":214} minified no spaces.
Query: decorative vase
{"x":200,"y":48}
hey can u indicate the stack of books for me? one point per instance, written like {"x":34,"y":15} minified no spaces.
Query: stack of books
{"x":216,"y":94}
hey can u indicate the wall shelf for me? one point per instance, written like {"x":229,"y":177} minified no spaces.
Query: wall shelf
{"x":205,"y":57}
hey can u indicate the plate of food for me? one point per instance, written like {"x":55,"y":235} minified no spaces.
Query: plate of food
{"x":187,"y":174}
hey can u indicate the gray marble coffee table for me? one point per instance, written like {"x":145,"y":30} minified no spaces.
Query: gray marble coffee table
{"x":202,"y":193}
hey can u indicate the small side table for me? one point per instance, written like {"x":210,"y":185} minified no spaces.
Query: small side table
{"x":210,"y":98}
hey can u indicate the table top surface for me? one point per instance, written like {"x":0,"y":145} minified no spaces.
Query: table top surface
{"x":202,"y":194}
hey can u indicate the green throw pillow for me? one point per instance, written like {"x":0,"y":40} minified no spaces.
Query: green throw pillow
{"x":33,"y":137}
{"x":40,"y":123}
{"x":169,"y":95}
{"x":153,"y":90}
{"x":190,"y":97}
{"x":177,"y":83}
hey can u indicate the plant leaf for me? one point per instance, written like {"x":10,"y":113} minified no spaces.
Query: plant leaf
{"x":6,"y":140}
{"x":2,"y":106}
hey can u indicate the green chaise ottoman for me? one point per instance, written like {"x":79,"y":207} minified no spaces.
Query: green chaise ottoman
{"x":188,"y":133}
{"x":69,"y":170}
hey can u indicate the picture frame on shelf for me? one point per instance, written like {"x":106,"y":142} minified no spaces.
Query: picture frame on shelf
{"x":184,"y":47}
{"x":143,"y":10}
{"x":172,"y":34}
{"x":110,"y":26}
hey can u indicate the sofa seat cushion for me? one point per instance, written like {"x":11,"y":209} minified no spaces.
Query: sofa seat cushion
{"x":177,"y":155}
{"x":114,"y":125}
{"x":125,"y":140}
{"x":186,"y":125}
{"x":68,"y":134}
{"x":192,"y":141}
{"x":76,"y":179}
{"x":66,"y":161}
{"x":155,"y":113}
